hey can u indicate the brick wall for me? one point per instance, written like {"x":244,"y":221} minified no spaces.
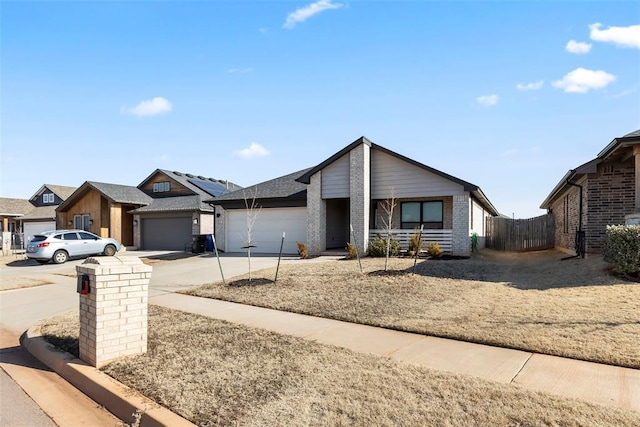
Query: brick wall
{"x":461,"y":244}
{"x":611,"y":196}
{"x":113,"y":316}
{"x":219,"y":228}
{"x":566,"y":211}
{"x":360,"y":194}
{"x":316,"y":216}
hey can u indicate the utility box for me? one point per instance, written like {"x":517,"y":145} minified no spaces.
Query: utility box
{"x":113,"y":293}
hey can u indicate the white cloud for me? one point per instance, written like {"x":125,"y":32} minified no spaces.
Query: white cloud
{"x":626,"y":92}
{"x":530,"y":86}
{"x":153,"y":107}
{"x":487,"y":100}
{"x":622,"y":36}
{"x":239,"y":70}
{"x":582,"y":80}
{"x":254,"y":150}
{"x":577,"y":47}
{"x":308,"y":11}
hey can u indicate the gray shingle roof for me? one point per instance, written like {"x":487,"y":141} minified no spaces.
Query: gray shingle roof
{"x":121,"y":193}
{"x":206,"y":187}
{"x":635,"y":133}
{"x":178,"y":203}
{"x":41,"y":212}
{"x":285,"y":186}
{"x":14,"y":207}
{"x":61,"y":191}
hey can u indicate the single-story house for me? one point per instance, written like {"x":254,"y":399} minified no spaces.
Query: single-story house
{"x":43,"y":216}
{"x":320,"y":205}
{"x":176,"y":210}
{"x":163,"y":212}
{"x":22,"y":219}
{"x":103,"y":209}
{"x":11,"y":212}
{"x":604,"y":191}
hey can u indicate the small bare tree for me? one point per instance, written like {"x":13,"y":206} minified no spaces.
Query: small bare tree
{"x":253,"y":210}
{"x":388,"y":206}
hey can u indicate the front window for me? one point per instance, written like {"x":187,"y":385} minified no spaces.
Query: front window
{"x":82,"y":222}
{"x":429,"y":214}
{"x":48,"y":198}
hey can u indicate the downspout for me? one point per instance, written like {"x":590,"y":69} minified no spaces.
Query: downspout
{"x":580,"y":231}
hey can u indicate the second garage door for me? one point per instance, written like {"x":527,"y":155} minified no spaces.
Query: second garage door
{"x":267,"y":230}
{"x":166,"y":234}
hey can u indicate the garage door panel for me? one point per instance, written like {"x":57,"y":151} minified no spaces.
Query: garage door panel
{"x":267,"y":230}
{"x":33,"y":228}
{"x":169,"y":234}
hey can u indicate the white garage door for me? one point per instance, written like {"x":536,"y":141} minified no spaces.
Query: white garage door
{"x":267,"y":230}
{"x":33,"y":228}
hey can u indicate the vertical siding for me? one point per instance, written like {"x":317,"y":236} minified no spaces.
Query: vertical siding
{"x":335,"y":179}
{"x":406,"y":180}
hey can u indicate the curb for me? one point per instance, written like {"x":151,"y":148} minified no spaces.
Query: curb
{"x":120,"y":400}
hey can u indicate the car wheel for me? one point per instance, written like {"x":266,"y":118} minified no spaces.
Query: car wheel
{"x":42,"y":261}
{"x":109,"y":250}
{"x":60,"y":257}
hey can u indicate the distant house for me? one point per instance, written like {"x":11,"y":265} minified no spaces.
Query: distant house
{"x":319,"y":205}
{"x":12,"y":211}
{"x":45,"y":202}
{"x":176,"y":210}
{"x":22,"y":219}
{"x":163,"y":212}
{"x":103,"y":209}
{"x":609,"y":188}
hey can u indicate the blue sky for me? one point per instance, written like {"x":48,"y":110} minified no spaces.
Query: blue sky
{"x":506,"y":95}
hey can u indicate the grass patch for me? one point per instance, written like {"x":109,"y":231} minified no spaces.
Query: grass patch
{"x":533,"y":302}
{"x":215,"y":373}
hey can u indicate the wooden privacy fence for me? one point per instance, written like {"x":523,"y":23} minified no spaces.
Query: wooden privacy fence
{"x":519,"y":235}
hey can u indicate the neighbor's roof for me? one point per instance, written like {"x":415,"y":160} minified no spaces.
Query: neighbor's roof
{"x":618,"y":147}
{"x":61,"y":191}
{"x":207,"y":187}
{"x":472,"y":188}
{"x":14,"y":207}
{"x":175,"y":204}
{"x":284,"y":187}
{"x":41,"y":212}
{"x":125,"y":194}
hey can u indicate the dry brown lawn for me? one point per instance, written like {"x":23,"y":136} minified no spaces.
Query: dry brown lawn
{"x":533,"y":301}
{"x":215,"y":373}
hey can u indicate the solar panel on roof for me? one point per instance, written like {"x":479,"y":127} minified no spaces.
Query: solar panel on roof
{"x":213,"y":188}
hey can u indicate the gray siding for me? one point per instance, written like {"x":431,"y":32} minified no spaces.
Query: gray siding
{"x":335,"y":179}
{"x":406,"y":180}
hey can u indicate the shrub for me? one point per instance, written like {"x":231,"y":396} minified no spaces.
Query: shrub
{"x":434,"y":249}
{"x":352,"y":250}
{"x":415,"y":243}
{"x":622,"y":249}
{"x":302,"y":250}
{"x":378,"y":247}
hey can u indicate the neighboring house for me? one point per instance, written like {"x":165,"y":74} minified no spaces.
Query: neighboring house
{"x":176,"y":210}
{"x":43,"y":216}
{"x":11,"y":212}
{"x":609,"y":187}
{"x":319,"y":205}
{"x":163,"y":212}
{"x":103,"y":209}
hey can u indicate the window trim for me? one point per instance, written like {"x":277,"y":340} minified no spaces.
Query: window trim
{"x":161,"y":187}
{"x":48,"y":198}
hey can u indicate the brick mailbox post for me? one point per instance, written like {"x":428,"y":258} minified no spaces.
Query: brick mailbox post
{"x":113,"y":308}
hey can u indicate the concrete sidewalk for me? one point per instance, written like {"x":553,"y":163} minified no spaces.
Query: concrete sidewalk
{"x":597,"y":383}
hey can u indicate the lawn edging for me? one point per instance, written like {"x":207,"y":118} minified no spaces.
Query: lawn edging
{"x":122,"y":401}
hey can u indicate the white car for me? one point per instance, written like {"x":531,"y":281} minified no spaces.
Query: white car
{"x":60,"y":245}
